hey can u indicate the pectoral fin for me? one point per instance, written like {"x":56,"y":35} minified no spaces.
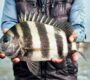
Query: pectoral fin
{"x":33,"y":67}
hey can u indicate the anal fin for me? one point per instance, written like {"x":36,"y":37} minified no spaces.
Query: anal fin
{"x":33,"y":67}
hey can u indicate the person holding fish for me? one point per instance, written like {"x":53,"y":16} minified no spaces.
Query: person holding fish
{"x":16,"y":11}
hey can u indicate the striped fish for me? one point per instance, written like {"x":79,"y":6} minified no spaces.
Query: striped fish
{"x":37,"y":33}
{"x":37,"y":41}
{"x":33,"y":41}
{"x":37,"y":38}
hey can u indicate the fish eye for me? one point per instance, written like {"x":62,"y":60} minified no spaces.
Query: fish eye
{"x":6,"y":39}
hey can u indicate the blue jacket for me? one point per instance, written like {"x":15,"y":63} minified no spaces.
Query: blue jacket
{"x":77,"y":17}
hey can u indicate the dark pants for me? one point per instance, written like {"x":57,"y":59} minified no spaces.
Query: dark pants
{"x":67,"y":70}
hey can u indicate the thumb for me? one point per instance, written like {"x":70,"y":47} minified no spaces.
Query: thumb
{"x":15,"y":60}
{"x":5,"y":30}
{"x":72,"y":37}
{"x":2,"y":55}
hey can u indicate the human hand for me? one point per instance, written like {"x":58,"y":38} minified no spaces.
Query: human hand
{"x":72,"y":38}
{"x":74,"y":56}
{"x":14,"y":60}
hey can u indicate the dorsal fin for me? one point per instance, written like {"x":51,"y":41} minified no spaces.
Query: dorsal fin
{"x":65,"y":26}
{"x":37,"y":18}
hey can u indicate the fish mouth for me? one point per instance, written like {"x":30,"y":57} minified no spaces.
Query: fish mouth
{"x":13,"y":52}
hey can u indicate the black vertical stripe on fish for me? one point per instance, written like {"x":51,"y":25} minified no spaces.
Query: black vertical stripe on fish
{"x":59,"y":44}
{"x":44,"y":39}
{"x":14,"y":31}
{"x":27,"y":37}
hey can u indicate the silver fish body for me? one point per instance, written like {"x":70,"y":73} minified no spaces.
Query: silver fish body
{"x":37,"y":37}
{"x":37,"y":41}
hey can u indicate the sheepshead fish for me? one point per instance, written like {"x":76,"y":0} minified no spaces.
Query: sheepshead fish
{"x":36,"y":41}
{"x":37,"y":34}
{"x":38,"y":38}
{"x":33,"y":41}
